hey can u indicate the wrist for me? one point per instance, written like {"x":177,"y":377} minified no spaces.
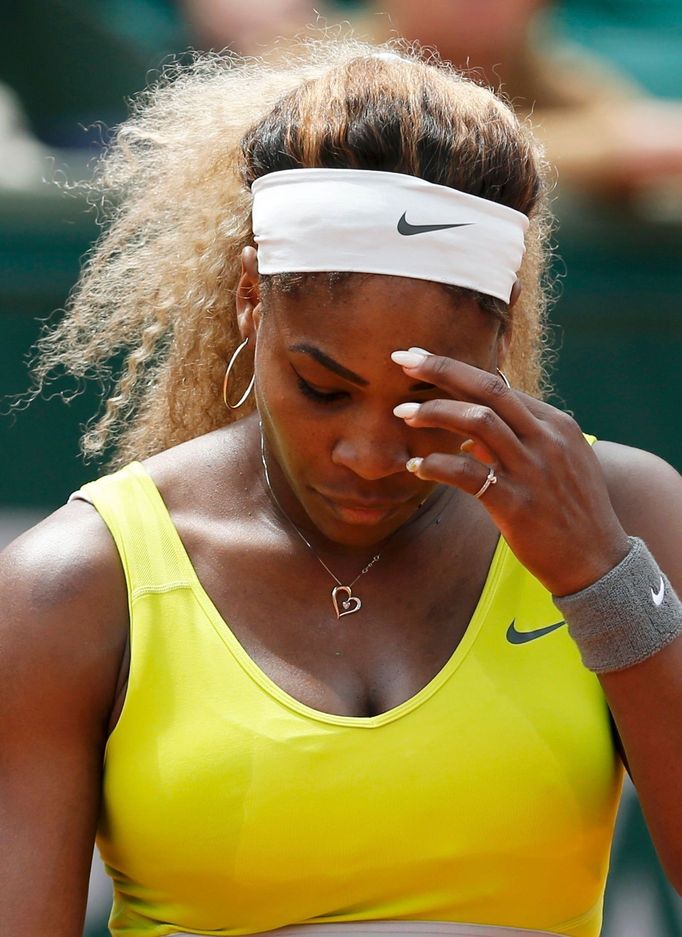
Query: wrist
{"x":595,"y":567}
{"x":626,"y":616}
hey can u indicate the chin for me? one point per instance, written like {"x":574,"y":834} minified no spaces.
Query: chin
{"x":357,"y":537}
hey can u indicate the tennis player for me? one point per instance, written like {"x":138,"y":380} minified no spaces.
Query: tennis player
{"x":358,"y":635}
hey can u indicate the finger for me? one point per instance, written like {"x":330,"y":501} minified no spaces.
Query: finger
{"x":541,"y":410}
{"x":476,"y":421}
{"x":459,"y":471}
{"x":477,"y":451}
{"x":466,"y":382}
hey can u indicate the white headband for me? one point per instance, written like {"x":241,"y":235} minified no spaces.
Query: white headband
{"x":307,"y":220}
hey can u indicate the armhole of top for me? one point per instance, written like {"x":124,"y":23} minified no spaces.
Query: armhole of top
{"x":143,"y":532}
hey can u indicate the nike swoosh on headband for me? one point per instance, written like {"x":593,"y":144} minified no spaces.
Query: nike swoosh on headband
{"x":523,"y":637}
{"x":404,"y":226}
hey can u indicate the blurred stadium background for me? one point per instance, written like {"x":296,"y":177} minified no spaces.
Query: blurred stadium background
{"x":65,"y":64}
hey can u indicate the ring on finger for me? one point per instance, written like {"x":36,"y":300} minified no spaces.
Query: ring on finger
{"x":490,"y":480}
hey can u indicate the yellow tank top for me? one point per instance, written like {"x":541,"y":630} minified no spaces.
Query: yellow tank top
{"x":230,"y":808}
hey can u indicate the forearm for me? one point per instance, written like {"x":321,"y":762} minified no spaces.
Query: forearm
{"x":628,"y":627}
{"x":646,"y":703}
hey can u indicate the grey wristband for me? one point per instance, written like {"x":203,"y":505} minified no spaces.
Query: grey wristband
{"x":626,"y":616}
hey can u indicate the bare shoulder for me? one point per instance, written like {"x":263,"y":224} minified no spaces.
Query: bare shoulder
{"x":198,"y":474}
{"x":63,"y":606}
{"x":646,"y":493}
{"x":640,"y":483}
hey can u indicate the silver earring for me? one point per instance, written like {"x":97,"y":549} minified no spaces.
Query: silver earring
{"x":504,"y":377}
{"x":226,"y":382}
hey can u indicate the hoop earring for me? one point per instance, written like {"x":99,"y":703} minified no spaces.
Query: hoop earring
{"x":504,"y":377}
{"x":226,"y":382}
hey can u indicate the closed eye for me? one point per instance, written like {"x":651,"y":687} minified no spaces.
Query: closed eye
{"x":317,"y":395}
{"x":320,"y":396}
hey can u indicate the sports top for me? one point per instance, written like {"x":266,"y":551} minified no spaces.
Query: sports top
{"x":229,"y":807}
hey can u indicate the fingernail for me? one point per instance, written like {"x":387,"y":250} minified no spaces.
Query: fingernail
{"x":408,"y":359}
{"x":467,"y":445}
{"x":406,"y":410}
{"x":420,"y":351}
{"x":413,"y":465}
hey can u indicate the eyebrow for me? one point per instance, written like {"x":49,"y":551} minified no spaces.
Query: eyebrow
{"x":318,"y":355}
{"x":332,"y":365}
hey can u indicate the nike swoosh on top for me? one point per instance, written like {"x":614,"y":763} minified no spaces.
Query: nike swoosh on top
{"x":658,"y":596}
{"x":523,"y":637}
{"x":404,"y":226}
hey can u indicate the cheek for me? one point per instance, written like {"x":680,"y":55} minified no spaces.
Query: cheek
{"x":299,"y":441}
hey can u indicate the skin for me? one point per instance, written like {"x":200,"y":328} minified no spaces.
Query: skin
{"x":63,"y":669}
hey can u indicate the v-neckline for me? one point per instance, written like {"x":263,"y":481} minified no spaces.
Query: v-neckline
{"x":227,"y":635}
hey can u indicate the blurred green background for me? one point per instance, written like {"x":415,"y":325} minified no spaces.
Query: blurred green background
{"x":617,"y":326}
{"x":617,"y":322}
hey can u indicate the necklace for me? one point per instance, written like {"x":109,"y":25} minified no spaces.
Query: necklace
{"x":351,"y":603}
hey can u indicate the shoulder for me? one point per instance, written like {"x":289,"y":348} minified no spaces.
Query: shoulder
{"x":641,"y":485}
{"x":646,"y":494}
{"x":63,"y":610}
{"x":201,"y":475}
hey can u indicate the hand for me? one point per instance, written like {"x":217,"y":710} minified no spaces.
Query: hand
{"x":550,"y":502}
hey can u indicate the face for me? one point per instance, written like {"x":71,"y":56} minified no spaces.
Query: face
{"x":326,"y":388}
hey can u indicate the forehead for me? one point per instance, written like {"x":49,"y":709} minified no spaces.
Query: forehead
{"x":373,"y":313}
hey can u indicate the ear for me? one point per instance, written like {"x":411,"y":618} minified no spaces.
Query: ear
{"x":515,"y":293}
{"x":504,"y":340}
{"x":249,"y":309}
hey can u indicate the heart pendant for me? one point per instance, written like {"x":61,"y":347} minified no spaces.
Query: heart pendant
{"x":349,"y":605}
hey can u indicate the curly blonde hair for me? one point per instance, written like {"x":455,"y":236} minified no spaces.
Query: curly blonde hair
{"x":157,"y":292}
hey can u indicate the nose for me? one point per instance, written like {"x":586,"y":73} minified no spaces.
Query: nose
{"x":373,"y":447}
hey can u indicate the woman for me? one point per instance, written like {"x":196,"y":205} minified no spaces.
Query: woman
{"x":395,"y":728}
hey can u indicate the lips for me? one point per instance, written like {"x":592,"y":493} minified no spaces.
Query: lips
{"x":361,"y":510}
{"x":365,"y":505}
{"x":370,"y":504}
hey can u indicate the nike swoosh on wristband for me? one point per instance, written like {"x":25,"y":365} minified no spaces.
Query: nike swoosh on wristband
{"x":523,"y":637}
{"x":404,"y":226}
{"x":658,"y":596}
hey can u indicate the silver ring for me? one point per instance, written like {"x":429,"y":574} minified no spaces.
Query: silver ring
{"x":490,"y":480}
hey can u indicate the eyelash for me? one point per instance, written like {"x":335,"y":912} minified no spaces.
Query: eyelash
{"x":317,"y":395}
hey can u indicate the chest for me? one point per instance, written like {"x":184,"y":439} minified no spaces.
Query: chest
{"x":500,"y":771}
{"x":413,"y":608}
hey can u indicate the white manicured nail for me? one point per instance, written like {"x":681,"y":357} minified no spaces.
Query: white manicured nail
{"x":408,"y":359}
{"x":406,"y":410}
{"x":413,"y":465}
{"x":420,"y":351}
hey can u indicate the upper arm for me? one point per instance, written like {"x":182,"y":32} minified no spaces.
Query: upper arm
{"x":63,"y":624}
{"x":646,"y":494}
